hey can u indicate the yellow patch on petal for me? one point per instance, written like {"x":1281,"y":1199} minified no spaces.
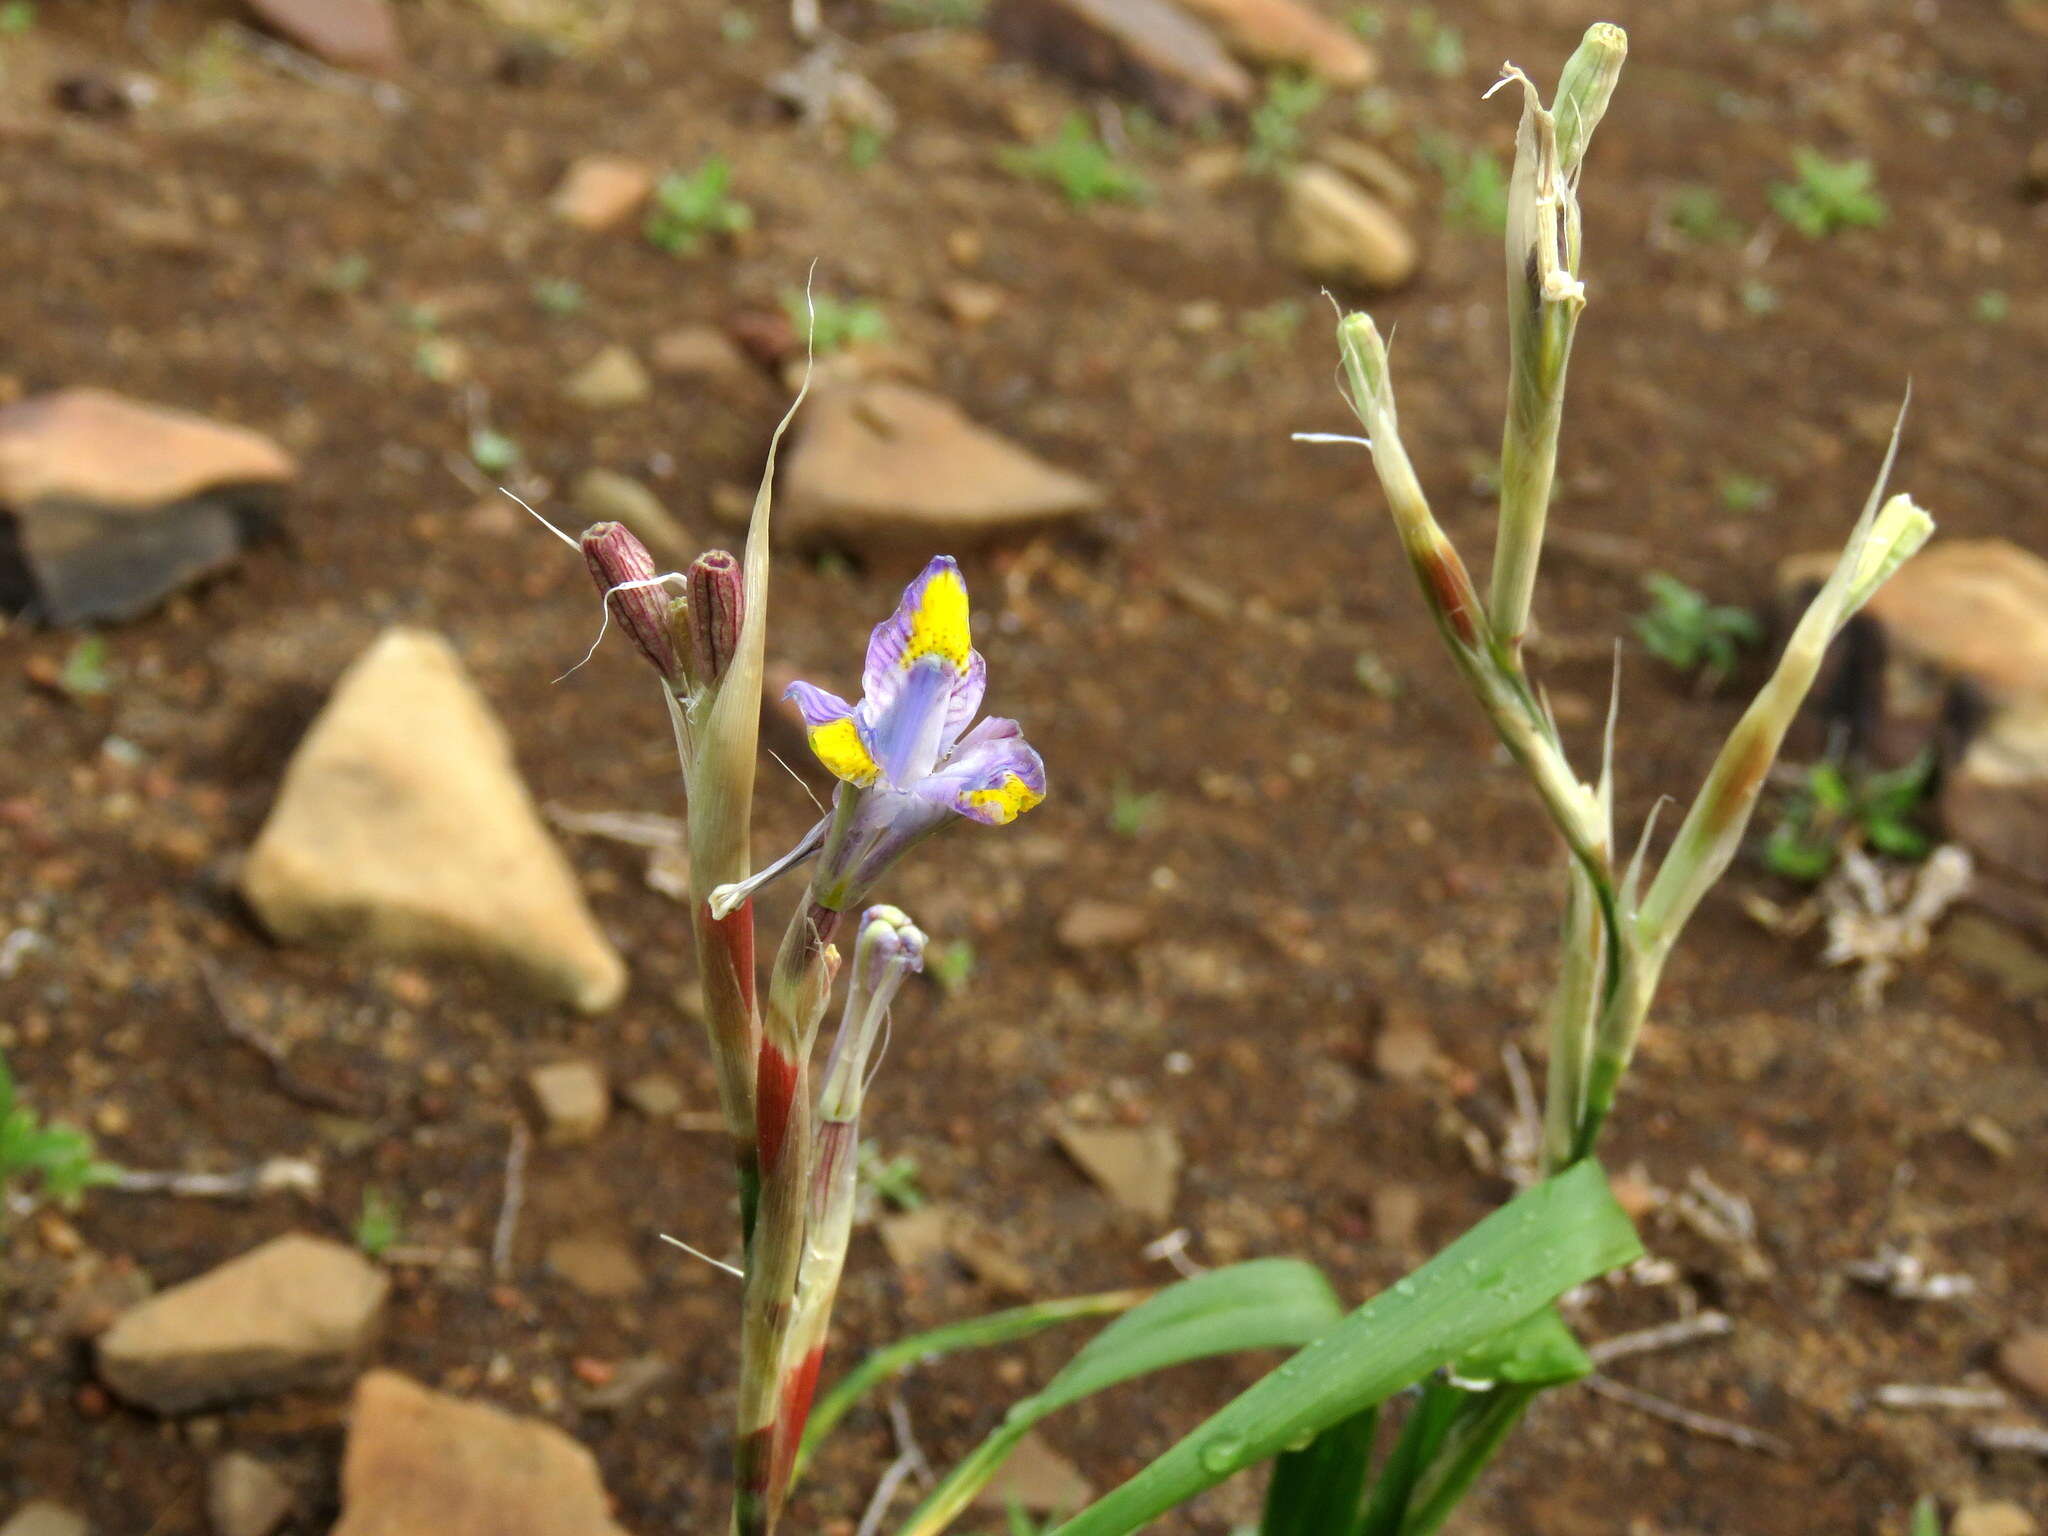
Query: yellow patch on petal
{"x":938,"y":625}
{"x":838,"y":746}
{"x":1007,"y":801}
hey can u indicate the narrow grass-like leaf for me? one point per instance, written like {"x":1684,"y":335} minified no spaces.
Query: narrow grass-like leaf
{"x":1262,"y":1304}
{"x":972,"y":1333}
{"x":1515,"y":1263}
{"x":1316,"y":1490}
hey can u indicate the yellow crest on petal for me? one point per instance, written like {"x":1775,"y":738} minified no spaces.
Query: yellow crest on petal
{"x":1007,"y":801}
{"x":938,"y":625}
{"x":838,"y":746}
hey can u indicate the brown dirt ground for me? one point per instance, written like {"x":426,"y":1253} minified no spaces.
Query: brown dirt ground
{"x":1321,"y":857}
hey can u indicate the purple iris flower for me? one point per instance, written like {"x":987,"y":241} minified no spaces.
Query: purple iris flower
{"x":907,"y":761}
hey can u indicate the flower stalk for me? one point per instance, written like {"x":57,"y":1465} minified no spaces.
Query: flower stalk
{"x":1545,"y":298}
{"x":1617,"y":933}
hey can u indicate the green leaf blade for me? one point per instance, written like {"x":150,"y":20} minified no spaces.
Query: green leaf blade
{"x":1510,"y":1266}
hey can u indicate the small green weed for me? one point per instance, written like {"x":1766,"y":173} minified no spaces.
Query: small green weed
{"x":951,"y":965}
{"x":1745,"y":493}
{"x":1276,"y":122}
{"x":691,"y":208}
{"x":1475,"y":186}
{"x":834,"y":324}
{"x":1926,"y":1517}
{"x":57,"y":1157}
{"x":1132,"y":813}
{"x":85,"y":674}
{"x":17,"y":16}
{"x":1439,"y":45}
{"x":1830,"y":808}
{"x":377,"y":1226}
{"x":1991,"y":307}
{"x":1076,"y":162}
{"x":737,"y":27}
{"x":865,"y":144}
{"x":936,"y":13}
{"x":894,"y":1179}
{"x":1274,"y":324}
{"x":1829,"y":195}
{"x":559,"y":295}
{"x":346,"y":273}
{"x":1696,"y":213}
{"x":1686,"y":631}
{"x":1375,"y":676}
{"x":1368,"y":21}
{"x":492,"y":451}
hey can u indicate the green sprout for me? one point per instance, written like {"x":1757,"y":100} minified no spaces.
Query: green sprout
{"x":951,"y":965}
{"x":1375,"y":676}
{"x":1377,"y":110}
{"x":1926,"y":1517}
{"x":1828,"y":195}
{"x":1991,"y":307}
{"x":1745,"y":493}
{"x":346,"y":273}
{"x":1132,"y":813}
{"x":1276,"y":122}
{"x":864,"y":145}
{"x":559,"y":295}
{"x":894,"y":1179}
{"x":692,"y":208}
{"x":936,"y":13}
{"x":834,"y":324}
{"x":58,"y":1157}
{"x":17,"y":16}
{"x":1759,"y":297}
{"x":1831,"y":808}
{"x":1475,"y":186}
{"x":377,"y":1227}
{"x":1275,"y":324}
{"x":85,"y":674}
{"x":1691,"y":634}
{"x":439,"y":358}
{"x":1076,"y":162}
{"x":1695,"y":212}
{"x":492,"y":451}
{"x":1368,"y":21}
{"x":737,"y":27}
{"x":1440,"y":45}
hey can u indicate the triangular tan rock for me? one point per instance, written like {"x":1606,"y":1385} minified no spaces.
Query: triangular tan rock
{"x":403,"y":827}
{"x":1138,"y":1167}
{"x":886,"y":459}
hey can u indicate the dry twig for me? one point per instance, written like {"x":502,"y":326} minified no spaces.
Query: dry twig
{"x":1685,"y":1418}
{"x":1687,"y":1330}
{"x":515,"y":1197}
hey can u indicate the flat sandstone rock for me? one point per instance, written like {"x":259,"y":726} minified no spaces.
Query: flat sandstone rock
{"x":1150,"y":49}
{"x":420,"y":1463}
{"x":297,"y":1312}
{"x":115,"y":504}
{"x":403,"y":827}
{"x":884,"y":460}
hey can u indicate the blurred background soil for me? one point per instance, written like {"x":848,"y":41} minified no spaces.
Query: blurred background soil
{"x":1305,"y":852}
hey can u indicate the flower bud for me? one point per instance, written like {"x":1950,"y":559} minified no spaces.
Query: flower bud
{"x":717,"y":595}
{"x":624,"y":572}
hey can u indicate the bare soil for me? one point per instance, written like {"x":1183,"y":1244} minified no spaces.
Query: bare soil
{"x":1321,"y":858}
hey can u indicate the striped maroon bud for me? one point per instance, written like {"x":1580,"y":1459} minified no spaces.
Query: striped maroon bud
{"x":717,"y":596}
{"x":616,"y":560}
